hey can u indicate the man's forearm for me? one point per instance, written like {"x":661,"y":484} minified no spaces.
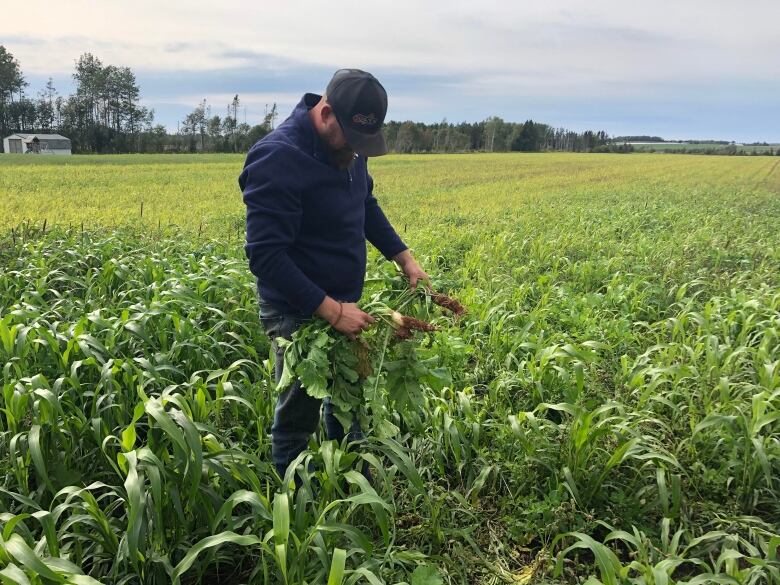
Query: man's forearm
{"x":410,"y":267}
{"x":329,"y":309}
{"x":403,"y":258}
{"x":273,"y":267}
{"x":379,"y":231}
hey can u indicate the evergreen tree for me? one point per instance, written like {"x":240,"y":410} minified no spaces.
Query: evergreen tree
{"x":11,"y":82}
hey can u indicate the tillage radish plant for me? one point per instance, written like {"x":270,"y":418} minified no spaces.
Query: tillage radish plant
{"x":379,"y":376}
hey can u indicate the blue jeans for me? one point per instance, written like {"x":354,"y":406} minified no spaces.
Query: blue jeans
{"x":297,"y":415}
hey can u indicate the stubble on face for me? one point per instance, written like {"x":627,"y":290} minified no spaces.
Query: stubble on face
{"x":342,"y":156}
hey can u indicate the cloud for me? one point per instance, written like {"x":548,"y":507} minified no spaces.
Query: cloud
{"x":456,"y":58}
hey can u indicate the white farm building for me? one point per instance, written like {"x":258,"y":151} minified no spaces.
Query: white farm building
{"x":36,"y":144}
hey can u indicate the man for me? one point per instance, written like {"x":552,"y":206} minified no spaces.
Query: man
{"x":309,"y":210}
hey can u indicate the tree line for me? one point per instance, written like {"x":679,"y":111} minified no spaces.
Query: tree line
{"x":104,"y":115}
{"x":494,"y":135}
{"x":202,"y":131}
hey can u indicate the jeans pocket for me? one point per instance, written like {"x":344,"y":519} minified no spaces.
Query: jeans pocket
{"x":284,"y":327}
{"x":281,"y":325}
{"x":271,"y":326}
{"x":289,"y":324}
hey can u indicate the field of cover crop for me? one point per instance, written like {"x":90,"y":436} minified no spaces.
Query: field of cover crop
{"x":607,"y":410}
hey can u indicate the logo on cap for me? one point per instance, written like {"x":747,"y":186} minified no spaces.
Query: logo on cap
{"x":364,"y":119}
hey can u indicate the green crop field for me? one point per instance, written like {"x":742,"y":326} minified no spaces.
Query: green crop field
{"x":608,"y":409}
{"x":705,"y":147}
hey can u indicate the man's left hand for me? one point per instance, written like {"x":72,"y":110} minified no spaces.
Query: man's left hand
{"x":410,"y":268}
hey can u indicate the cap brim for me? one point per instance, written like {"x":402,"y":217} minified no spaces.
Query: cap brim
{"x":365,"y":144}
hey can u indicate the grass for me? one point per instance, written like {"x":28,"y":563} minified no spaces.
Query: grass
{"x":703,"y":147}
{"x":191,"y":191}
{"x":613,"y":409}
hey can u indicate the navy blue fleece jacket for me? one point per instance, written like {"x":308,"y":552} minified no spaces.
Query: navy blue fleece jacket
{"x":306,"y":221}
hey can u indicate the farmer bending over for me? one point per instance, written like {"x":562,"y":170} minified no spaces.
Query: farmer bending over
{"x":309,"y":211}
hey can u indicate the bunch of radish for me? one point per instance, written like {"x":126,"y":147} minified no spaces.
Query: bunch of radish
{"x":378,"y":377}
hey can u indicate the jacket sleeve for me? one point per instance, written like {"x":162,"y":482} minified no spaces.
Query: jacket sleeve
{"x":378,"y":229}
{"x":273,"y":219}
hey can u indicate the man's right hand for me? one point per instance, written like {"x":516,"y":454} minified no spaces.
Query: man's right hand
{"x":344,"y":317}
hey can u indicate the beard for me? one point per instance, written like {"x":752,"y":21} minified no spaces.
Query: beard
{"x":341,"y":158}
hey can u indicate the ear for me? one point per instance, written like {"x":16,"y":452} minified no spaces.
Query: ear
{"x":326,"y":113}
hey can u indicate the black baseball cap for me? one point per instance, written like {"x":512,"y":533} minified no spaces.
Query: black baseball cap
{"x":360,"y":104}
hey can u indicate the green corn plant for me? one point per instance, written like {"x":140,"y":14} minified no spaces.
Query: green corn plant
{"x":138,"y":389}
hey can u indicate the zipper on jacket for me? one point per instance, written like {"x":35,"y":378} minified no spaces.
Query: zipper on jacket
{"x":349,"y":169}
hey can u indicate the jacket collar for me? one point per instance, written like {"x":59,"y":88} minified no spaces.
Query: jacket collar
{"x":310,"y":140}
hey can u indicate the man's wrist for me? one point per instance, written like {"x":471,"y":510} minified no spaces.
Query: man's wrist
{"x":329,"y":310}
{"x":341,"y":312}
{"x":403,"y":257}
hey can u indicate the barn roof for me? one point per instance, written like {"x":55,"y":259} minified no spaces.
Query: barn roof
{"x":43,"y":136}
{"x":52,"y":140}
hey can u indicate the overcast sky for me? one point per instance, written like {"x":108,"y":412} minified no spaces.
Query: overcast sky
{"x":679,"y":69}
